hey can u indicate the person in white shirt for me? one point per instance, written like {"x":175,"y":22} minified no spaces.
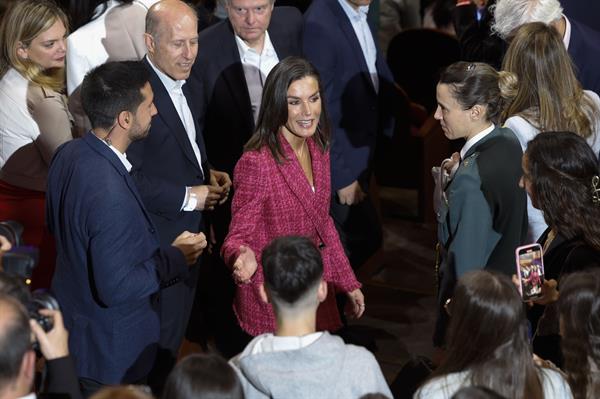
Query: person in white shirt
{"x":488,"y":345}
{"x":113,"y":32}
{"x":545,"y":95}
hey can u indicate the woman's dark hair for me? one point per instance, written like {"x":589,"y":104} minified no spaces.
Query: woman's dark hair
{"x":274,"y":107}
{"x":487,"y":337}
{"x":561,"y":167}
{"x":579,"y":310}
{"x":203,"y":376}
{"x":476,"y":393}
{"x":476,"y":83}
{"x":81,"y":12}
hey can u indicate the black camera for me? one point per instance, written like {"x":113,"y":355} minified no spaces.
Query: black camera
{"x":20,"y":260}
{"x":19,"y":263}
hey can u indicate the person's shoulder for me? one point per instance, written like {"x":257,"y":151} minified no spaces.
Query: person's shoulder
{"x":252,"y":162}
{"x":503,"y":144}
{"x":219,"y":30}
{"x":442,"y":387}
{"x":318,"y":10}
{"x":286,"y":14}
{"x":554,"y":384}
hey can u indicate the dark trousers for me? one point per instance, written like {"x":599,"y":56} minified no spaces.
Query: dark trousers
{"x":212,"y":315}
{"x":175,"y":305}
{"x":359,"y":229}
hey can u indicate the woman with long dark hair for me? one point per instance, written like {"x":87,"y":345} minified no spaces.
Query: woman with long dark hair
{"x":282,"y":187}
{"x":561,"y":176}
{"x":488,"y":345}
{"x":579,"y":310}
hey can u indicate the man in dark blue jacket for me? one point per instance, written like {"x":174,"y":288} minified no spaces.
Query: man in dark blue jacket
{"x":109,"y":260}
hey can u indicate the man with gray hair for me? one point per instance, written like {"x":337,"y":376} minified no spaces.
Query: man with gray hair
{"x":582,"y":42}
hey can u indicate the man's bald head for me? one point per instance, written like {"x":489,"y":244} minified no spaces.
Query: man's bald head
{"x":172,"y":37}
{"x":162,"y":14}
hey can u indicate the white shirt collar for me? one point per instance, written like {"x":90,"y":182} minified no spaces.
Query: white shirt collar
{"x":243,"y":48}
{"x":272,"y":343}
{"x":352,"y":13}
{"x":567,"y":36}
{"x":475,"y":139}
{"x":30,"y":396}
{"x":122,"y":157}
{"x":169,"y":83}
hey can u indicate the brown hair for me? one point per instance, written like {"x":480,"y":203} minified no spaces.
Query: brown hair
{"x":548,"y":93}
{"x":274,"y":107}
{"x":23,"y":22}
{"x":487,"y":337}
{"x":560,"y":167}
{"x":579,"y":310}
{"x":473,"y":83}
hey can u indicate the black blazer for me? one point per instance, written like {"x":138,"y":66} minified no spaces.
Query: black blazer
{"x":164,"y":164}
{"x":218,"y":84}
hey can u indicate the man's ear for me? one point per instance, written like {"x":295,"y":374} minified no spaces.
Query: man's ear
{"x":322,"y":291}
{"x":264,"y":295}
{"x":125,"y":119}
{"x":150,"y":43}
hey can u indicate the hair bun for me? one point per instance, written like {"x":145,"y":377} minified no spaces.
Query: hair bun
{"x":508,"y":84}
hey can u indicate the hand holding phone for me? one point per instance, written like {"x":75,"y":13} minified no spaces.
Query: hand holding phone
{"x":530,"y":271}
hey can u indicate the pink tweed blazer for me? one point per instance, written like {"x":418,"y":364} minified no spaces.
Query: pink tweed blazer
{"x":273,"y":200}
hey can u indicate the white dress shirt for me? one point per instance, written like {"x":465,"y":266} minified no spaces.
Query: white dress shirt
{"x":122,"y":156}
{"x":174,"y":88}
{"x":256,"y":69}
{"x":474,"y":140}
{"x":567,"y":36}
{"x":85,"y":49}
{"x":358,"y":19}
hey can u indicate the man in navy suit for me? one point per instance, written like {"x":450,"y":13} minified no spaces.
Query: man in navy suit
{"x":360,"y":96}
{"x":171,"y":167}
{"x":109,"y":259}
{"x":235,"y":57}
{"x":582,"y":42}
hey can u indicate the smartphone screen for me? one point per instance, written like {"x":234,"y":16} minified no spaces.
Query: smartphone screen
{"x":530,"y":270}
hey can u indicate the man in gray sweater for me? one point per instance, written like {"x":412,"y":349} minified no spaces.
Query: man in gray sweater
{"x":296,"y":361}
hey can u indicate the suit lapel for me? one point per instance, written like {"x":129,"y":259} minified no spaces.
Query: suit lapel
{"x":233,"y":75}
{"x":199,"y":137}
{"x":299,"y":185}
{"x":168,"y":113}
{"x":104,"y":151}
{"x":346,"y":27}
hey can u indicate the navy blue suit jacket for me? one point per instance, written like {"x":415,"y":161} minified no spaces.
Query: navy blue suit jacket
{"x":357,"y":112}
{"x":164,"y":164}
{"x":584,"y":48}
{"x":218,"y":84}
{"x":109,"y":262}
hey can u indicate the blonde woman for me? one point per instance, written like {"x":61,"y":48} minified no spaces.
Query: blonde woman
{"x":546,"y":96}
{"x":34,"y":119}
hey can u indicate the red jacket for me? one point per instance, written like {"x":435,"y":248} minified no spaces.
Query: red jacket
{"x":273,"y":200}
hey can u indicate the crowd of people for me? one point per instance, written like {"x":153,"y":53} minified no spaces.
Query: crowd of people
{"x":186,"y":182}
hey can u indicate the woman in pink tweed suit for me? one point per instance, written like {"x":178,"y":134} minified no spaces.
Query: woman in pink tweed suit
{"x":282,"y":187}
